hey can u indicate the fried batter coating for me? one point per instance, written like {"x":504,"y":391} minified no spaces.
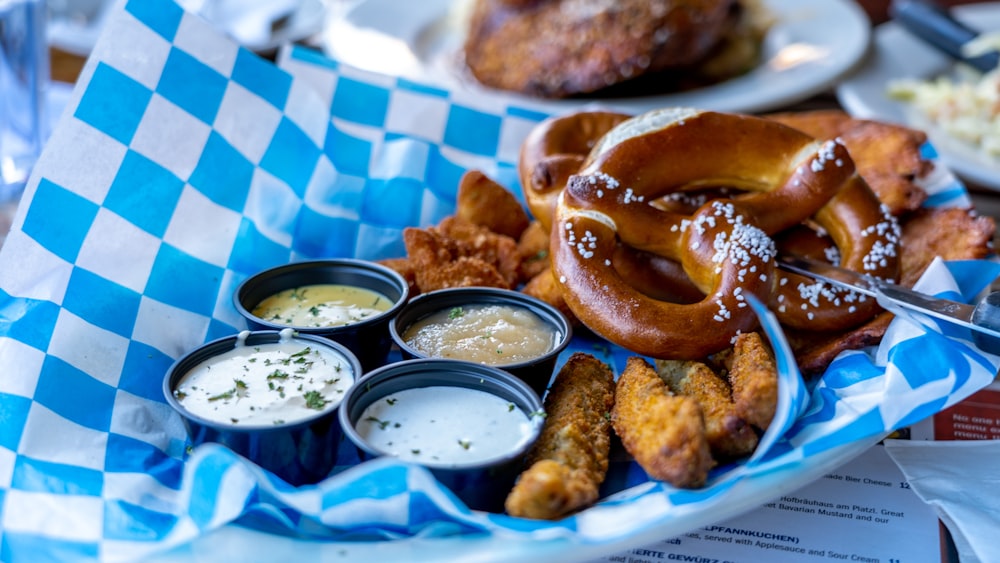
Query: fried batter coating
{"x":404,"y":267}
{"x":437,"y":265}
{"x":475,"y":241}
{"x":753,"y":377}
{"x":814,"y":351}
{"x":729,"y":436}
{"x":569,"y":461}
{"x":543,"y":286}
{"x":484,"y":202}
{"x":949,"y":233}
{"x":887,"y":155}
{"x":558,"y":48}
{"x":533,"y":246}
{"x":665,"y":433}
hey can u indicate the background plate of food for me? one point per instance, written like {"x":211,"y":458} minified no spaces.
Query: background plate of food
{"x":751,"y":55}
{"x":148,"y":209}
{"x":903,"y":74}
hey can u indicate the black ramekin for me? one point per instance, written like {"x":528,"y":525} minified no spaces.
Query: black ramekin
{"x":302,"y":452}
{"x":368,"y":339}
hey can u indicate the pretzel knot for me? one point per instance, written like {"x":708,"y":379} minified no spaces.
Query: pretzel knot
{"x":620,"y":198}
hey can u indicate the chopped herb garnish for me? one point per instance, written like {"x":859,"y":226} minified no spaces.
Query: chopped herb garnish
{"x":391,"y":401}
{"x":279,"y":421}
{"x":510,"y":407}
{"x":381,"y":423}
{"x":466,"y":444}
{"x":277,"y":374}
{"x":179,"y":395}
{"x":315,"y":400}
{"x":540,"y":414}
{"x":455,"y":313}
{"x":314,"y":311}
{"x":222,"y":396}
{"x":415,"y":452}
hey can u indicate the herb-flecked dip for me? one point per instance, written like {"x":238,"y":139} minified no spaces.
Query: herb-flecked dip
{"x":445,"y":425}
{"x":322,"y":305}
{"x":489,"y":334}
{"x":281,"y":382}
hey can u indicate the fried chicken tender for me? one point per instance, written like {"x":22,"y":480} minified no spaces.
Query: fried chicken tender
{"x":569,"y":461}
{"x":753,"y":377}
{"x":544,"y":287}
{"x":533,"y":246}
{"x":665,"y":433}
{"x":437,"y":264}
{"x":404,"y":267}
{"x":729,"y":435}
{"x":886,"y":155}
{"x":484,"y":202}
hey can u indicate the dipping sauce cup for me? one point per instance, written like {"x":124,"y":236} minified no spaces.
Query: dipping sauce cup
{"x":347,"y":300}
{"x":498,"y":327}
{"x":469,"y":424}
{"x":270,"y":396}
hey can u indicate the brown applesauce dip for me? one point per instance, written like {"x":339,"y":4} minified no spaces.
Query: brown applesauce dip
{"x":488,"y":334}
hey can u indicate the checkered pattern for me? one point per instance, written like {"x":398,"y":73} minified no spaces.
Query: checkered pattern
{"x":184,"y":164}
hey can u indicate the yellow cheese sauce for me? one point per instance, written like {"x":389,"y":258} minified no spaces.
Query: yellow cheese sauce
{"x":276,"y":383}
{"x":488,"y":334}
{"x":443,"y":425}
{"x":322,"y":305}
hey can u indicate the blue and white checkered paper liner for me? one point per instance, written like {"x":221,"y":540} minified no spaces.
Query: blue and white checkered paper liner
{"x":184,"y":164}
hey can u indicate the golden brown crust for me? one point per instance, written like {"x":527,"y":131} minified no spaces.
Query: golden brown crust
{"x":949,"y":233}
{"x":569,"y":461}
{"x":729,"y":435}
{"x":887,"y":155}
{"x":753,"y":377}
{"x":484,"y":202}
{"x":665,"y":433}
{"x":439,"y":263}
{"x":557,"y":48}
{"x":533,"y":246}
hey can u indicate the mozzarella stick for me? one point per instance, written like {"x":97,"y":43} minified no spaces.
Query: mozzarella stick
{"x":665,"y":433}
{"x":569,"y":461}
{"x":728,"y":435}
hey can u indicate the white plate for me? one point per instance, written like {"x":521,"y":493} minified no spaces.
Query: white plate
{"x":897,"y":54}
{"x":813,"y":44}
{"x":79,"y":35}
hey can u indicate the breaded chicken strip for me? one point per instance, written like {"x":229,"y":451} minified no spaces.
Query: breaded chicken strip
{"x":570,"y":459}
{"x":753,"y":377}
{"x":729,"y":436}
{"x":665,"y":433}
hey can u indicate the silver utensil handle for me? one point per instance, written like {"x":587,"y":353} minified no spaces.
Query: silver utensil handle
{"x":987,"y":315}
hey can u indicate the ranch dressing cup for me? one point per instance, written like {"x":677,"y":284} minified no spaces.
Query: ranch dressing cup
{"x":270,"y":396}
{"x":469,"y":424}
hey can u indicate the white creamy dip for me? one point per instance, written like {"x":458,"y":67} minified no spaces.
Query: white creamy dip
{"x":445,"y":425}
{"x":486,"y":334}
{"x":266,"y":384}
{"x":322,"y":305}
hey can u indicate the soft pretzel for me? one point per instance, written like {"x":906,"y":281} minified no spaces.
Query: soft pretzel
{"x":723,"y":247}
{"x":553,"y":151}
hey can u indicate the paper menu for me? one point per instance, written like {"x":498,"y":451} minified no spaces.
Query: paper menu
{"x":863,"y":511}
